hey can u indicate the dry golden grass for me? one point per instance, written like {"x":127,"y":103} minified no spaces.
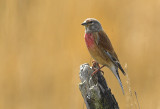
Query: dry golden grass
{"x":42,"y":46}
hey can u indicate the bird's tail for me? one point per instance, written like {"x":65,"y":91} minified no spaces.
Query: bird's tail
{"x":118,"y":77}
{"x":120,"y":67}
{"x":119,"y":80}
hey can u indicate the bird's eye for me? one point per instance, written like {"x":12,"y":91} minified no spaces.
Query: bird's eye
{"x":91,"y":21}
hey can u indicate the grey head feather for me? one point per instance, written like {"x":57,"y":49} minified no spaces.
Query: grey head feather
{"x":92,"y":25}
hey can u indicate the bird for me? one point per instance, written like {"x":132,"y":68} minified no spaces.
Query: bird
{"x":100,"y":48}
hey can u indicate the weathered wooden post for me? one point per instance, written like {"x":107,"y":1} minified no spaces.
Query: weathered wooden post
{"x":94,"y":90}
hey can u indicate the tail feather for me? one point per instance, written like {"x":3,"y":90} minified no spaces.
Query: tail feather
{"x":119,"y":80}
{"x":120,"y":67}
{"x":114,"y":69}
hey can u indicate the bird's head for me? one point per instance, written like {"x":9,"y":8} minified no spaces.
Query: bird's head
{"x":92,"y":25}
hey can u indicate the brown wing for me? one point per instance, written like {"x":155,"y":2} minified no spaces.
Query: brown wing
{"x":105,"y":45}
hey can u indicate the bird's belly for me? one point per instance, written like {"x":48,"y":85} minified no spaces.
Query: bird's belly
{"x":98,"y":56}
{"x":95,"y":52}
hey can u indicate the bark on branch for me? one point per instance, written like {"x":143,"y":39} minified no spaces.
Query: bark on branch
{"x":94,"y":90}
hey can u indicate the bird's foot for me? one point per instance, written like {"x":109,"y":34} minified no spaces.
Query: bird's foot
{"x":97,"y":70}
{"x":102,"y":72}
{"x":95,"y":65}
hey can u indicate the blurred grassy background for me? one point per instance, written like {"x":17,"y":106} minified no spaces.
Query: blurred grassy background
{"x":42,"y":45}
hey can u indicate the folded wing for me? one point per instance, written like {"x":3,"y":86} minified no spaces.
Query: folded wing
{"x":105,"y":45}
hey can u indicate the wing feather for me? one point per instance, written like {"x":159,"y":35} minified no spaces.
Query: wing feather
{"x":105,"y":45}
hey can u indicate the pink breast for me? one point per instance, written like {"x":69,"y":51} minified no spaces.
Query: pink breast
{"x":89,"y":40}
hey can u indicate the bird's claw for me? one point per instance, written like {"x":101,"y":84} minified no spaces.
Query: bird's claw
{"x":95,"y":65}
{"x":96,"y":68}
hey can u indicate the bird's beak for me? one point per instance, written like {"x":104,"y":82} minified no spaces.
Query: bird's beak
{"x":84,"y":24}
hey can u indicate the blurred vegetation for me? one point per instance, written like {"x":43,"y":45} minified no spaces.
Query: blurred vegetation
{"x":42,"y":45}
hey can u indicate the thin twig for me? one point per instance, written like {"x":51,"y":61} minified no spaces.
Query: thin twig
{"x":137,"y":99}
